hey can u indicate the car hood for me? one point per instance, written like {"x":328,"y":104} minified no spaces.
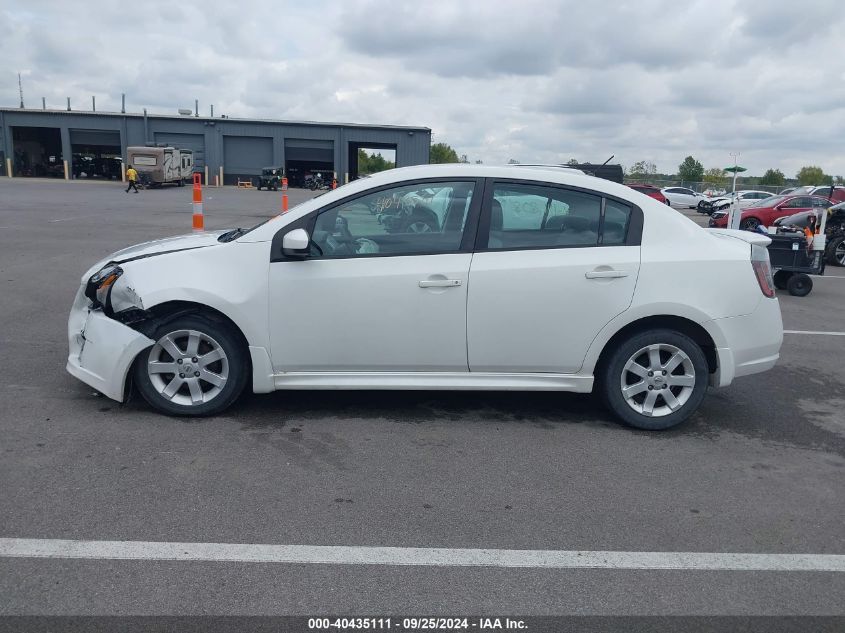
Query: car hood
{"x":158,"y":247}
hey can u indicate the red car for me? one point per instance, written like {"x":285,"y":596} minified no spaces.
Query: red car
{"x":651,"y":191}
{"x":767,"y":211}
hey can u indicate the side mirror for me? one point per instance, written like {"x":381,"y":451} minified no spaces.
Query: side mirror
{"x":296,"y":243}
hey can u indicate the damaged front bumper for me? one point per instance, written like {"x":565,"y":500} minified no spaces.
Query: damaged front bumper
{"x":101,"y":350}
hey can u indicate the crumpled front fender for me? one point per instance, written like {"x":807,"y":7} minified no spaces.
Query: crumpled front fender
{"x":102,"y":351}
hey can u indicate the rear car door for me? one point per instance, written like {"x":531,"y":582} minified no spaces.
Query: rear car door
{"x":552,"y":266}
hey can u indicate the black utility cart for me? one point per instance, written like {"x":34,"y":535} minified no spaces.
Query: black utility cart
{"x":793,"y":261}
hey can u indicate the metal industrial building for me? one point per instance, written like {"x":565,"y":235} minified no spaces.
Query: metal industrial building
{"x":37,"y":142}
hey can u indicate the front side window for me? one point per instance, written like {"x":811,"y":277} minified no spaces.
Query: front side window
{"x":799,"y":203}
{"x":407,"y":220}
{"x":535,"y":216}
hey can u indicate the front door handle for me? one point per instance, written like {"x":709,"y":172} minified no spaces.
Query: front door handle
{"x":605,"y":274}
{"x":440,"y":283}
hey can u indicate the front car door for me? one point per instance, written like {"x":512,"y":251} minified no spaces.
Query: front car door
{"x":553,"y":265}
{"x":377,"y":293}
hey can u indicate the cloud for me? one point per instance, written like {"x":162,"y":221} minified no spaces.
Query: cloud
{"x":534,"y":80}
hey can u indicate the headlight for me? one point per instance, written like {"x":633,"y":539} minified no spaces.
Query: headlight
{"x":98,"y":287}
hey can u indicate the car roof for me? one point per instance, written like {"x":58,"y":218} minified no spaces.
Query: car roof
{"x":560,"y":174}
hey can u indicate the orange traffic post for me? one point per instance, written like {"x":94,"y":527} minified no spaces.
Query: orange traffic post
{"x":284,"y":194}
{"x":198,"y":216}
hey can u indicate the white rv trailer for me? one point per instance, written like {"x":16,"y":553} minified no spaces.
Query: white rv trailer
{"x":159,"y":165}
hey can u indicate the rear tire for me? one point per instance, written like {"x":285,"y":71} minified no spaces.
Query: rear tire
{"x":799,"y":285}
{"x":654,"y":380}
{"x":197,"y":367}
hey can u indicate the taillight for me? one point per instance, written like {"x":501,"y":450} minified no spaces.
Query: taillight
{"x":762,"y":269}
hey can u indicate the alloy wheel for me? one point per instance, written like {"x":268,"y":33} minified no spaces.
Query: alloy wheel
{"x":657,"y":380}
{"x":188,"y":367}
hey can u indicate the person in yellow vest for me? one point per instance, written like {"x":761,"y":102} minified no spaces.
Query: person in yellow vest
{"x":131,"y":176}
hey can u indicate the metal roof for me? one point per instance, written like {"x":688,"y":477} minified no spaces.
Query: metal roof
{"x":185,"y":117}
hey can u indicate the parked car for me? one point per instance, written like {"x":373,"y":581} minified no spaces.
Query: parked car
{"x":834,"y":193}
{"x":682,"y":197}
{"x":651,"y":191}
{"x":744,"y":199}
{"x":786,"y":191}
{"x":765,"y":212}
{"x":834,"y":230}
{"x":577,"y":284}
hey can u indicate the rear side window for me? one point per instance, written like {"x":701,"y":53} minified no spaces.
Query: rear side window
{"x":536,"y":216}
{"x":617,"y":217}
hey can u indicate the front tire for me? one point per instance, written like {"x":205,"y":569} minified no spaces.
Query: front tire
{"x":654,"y":380}
{"x":749,"y":224}
{"x":197,"y":367}
{"x":836,"y":252}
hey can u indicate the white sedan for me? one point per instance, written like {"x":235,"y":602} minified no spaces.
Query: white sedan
{"x":682,"y":197}
{"x":745,"y":199}
{"x":531,"y":279}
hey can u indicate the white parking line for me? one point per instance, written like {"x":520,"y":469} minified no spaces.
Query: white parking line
{"x":433,"y":557}
{"x":814,"y":332}
{"x":78,"y":217}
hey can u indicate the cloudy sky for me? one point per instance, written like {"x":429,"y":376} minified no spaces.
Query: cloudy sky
{"x":538,"y":81}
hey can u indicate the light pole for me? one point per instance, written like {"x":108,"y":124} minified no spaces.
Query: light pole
{"x":734,"y":215}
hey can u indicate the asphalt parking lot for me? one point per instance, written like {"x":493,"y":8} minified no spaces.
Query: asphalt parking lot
{"x":760,"y":469}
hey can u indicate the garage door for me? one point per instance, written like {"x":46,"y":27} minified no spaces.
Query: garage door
{"x":95,"y":137}
{"x":309,"y":150}
{"x":247,"y":155}
{"x":195,"y":142}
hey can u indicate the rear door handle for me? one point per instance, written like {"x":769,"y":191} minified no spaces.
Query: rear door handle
{"x":440,"y":283}
{"x":605,"y":274}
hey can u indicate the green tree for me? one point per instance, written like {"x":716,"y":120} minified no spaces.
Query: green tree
{"x":773,"y":177}
{"x":513,"y":161}
{"x":642,"y":169}
{"x":811,"y":175}
{"x":690,"y":170}
{"x":715,"y":176}
{"x":372,"y":163}
{"x":572,"y":161}
{"x":442,"y":153}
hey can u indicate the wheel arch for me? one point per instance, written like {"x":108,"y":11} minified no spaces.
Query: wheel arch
{"x":170,"y":310}
{"x":685,"y":326}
